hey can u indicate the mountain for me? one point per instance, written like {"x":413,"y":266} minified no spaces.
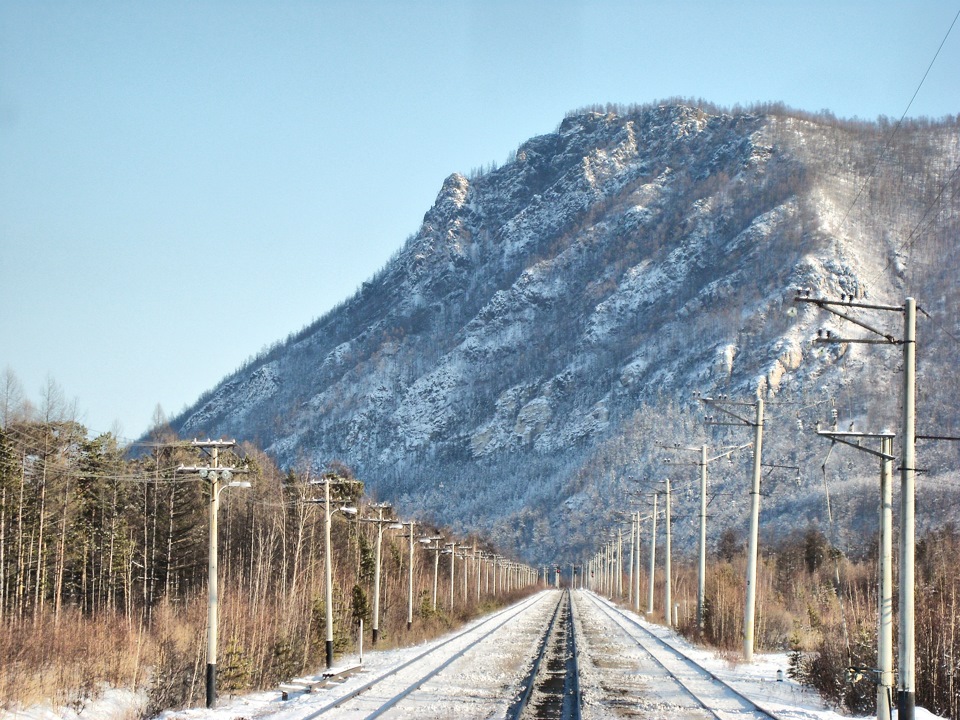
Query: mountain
{"x":527,"y":362}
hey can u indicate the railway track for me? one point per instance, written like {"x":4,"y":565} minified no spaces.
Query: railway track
{"x":551,"y":690}
{"x":710,"y":694}
{"x":399,"y":685}
{"x":556,"y":655}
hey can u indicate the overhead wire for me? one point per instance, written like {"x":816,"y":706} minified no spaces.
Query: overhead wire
{"x":897,"y":127}
{"x":914,"y":235}
{"x":938,"y":322}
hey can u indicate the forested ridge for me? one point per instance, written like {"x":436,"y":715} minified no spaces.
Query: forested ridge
{"x":556,"y":314}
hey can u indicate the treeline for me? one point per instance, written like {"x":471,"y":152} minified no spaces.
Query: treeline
{"x":103,"y":569}
{"x":821,"y":605}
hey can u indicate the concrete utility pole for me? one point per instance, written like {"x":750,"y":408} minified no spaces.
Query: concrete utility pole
{"x":602,"y":562}
{"x":328,"y":479}
{"x":885,"y":601}
{"x":702,"y":561}
{"x":906,"y":692}
{"x":453,"y":584}
{"x":906,"y":686}
{"x":436,"y":547}
{"x":653,"y":556}
{"x":216,"y":476}
{"x":619,"y":562}
{"x":884,"y":671}
{"x":380,"y":522}
{"x":667,"y":552}
{"x":602,"y":569}
{"x":413,"y":526}
{"x":636,"y":574}
{"x":612,"y":566}
{"x":750,"y":606}
{"x":604,"y":566}
{"x":702,"y":569}
{"x":478,"y":563}
{"x":328,"y":573}
{"x":633,"y":552}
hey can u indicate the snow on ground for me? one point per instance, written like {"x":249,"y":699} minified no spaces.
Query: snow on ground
{"x":113,"y":704}
{"x":758,"y":680}
{"x":487,"y":677}
{"x":484,"y":684}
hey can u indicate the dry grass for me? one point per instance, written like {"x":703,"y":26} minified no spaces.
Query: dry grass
{"x":69,"y":663}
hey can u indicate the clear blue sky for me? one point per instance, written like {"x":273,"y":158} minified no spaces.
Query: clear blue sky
{"x":183,"y":183}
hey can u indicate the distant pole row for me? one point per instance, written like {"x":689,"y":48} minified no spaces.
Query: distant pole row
{"x":604,"y":570}
{"x":492,"y":574}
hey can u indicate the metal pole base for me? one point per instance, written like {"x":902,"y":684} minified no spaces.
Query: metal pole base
{"x":906,"y":705}
{"x":376,"y":635}
{"x":409,"y":624}
{"x":211,"y":684}
{"x":329,"y":644}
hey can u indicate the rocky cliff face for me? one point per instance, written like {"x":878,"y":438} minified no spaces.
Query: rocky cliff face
{"x":514,"y":367}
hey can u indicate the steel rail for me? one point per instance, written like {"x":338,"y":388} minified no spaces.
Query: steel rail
{"x":615,"y":614}
{"x":572,"y":698}
{"x":573,"y":671}
{"x":532,"y":680}
{"x":513,"y":611}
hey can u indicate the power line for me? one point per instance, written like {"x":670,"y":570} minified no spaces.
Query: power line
{"x":896,"y":128}
{"x":914,"y":234}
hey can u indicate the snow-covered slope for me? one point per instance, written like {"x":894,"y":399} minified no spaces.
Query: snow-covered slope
{"x":515,"y":364}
